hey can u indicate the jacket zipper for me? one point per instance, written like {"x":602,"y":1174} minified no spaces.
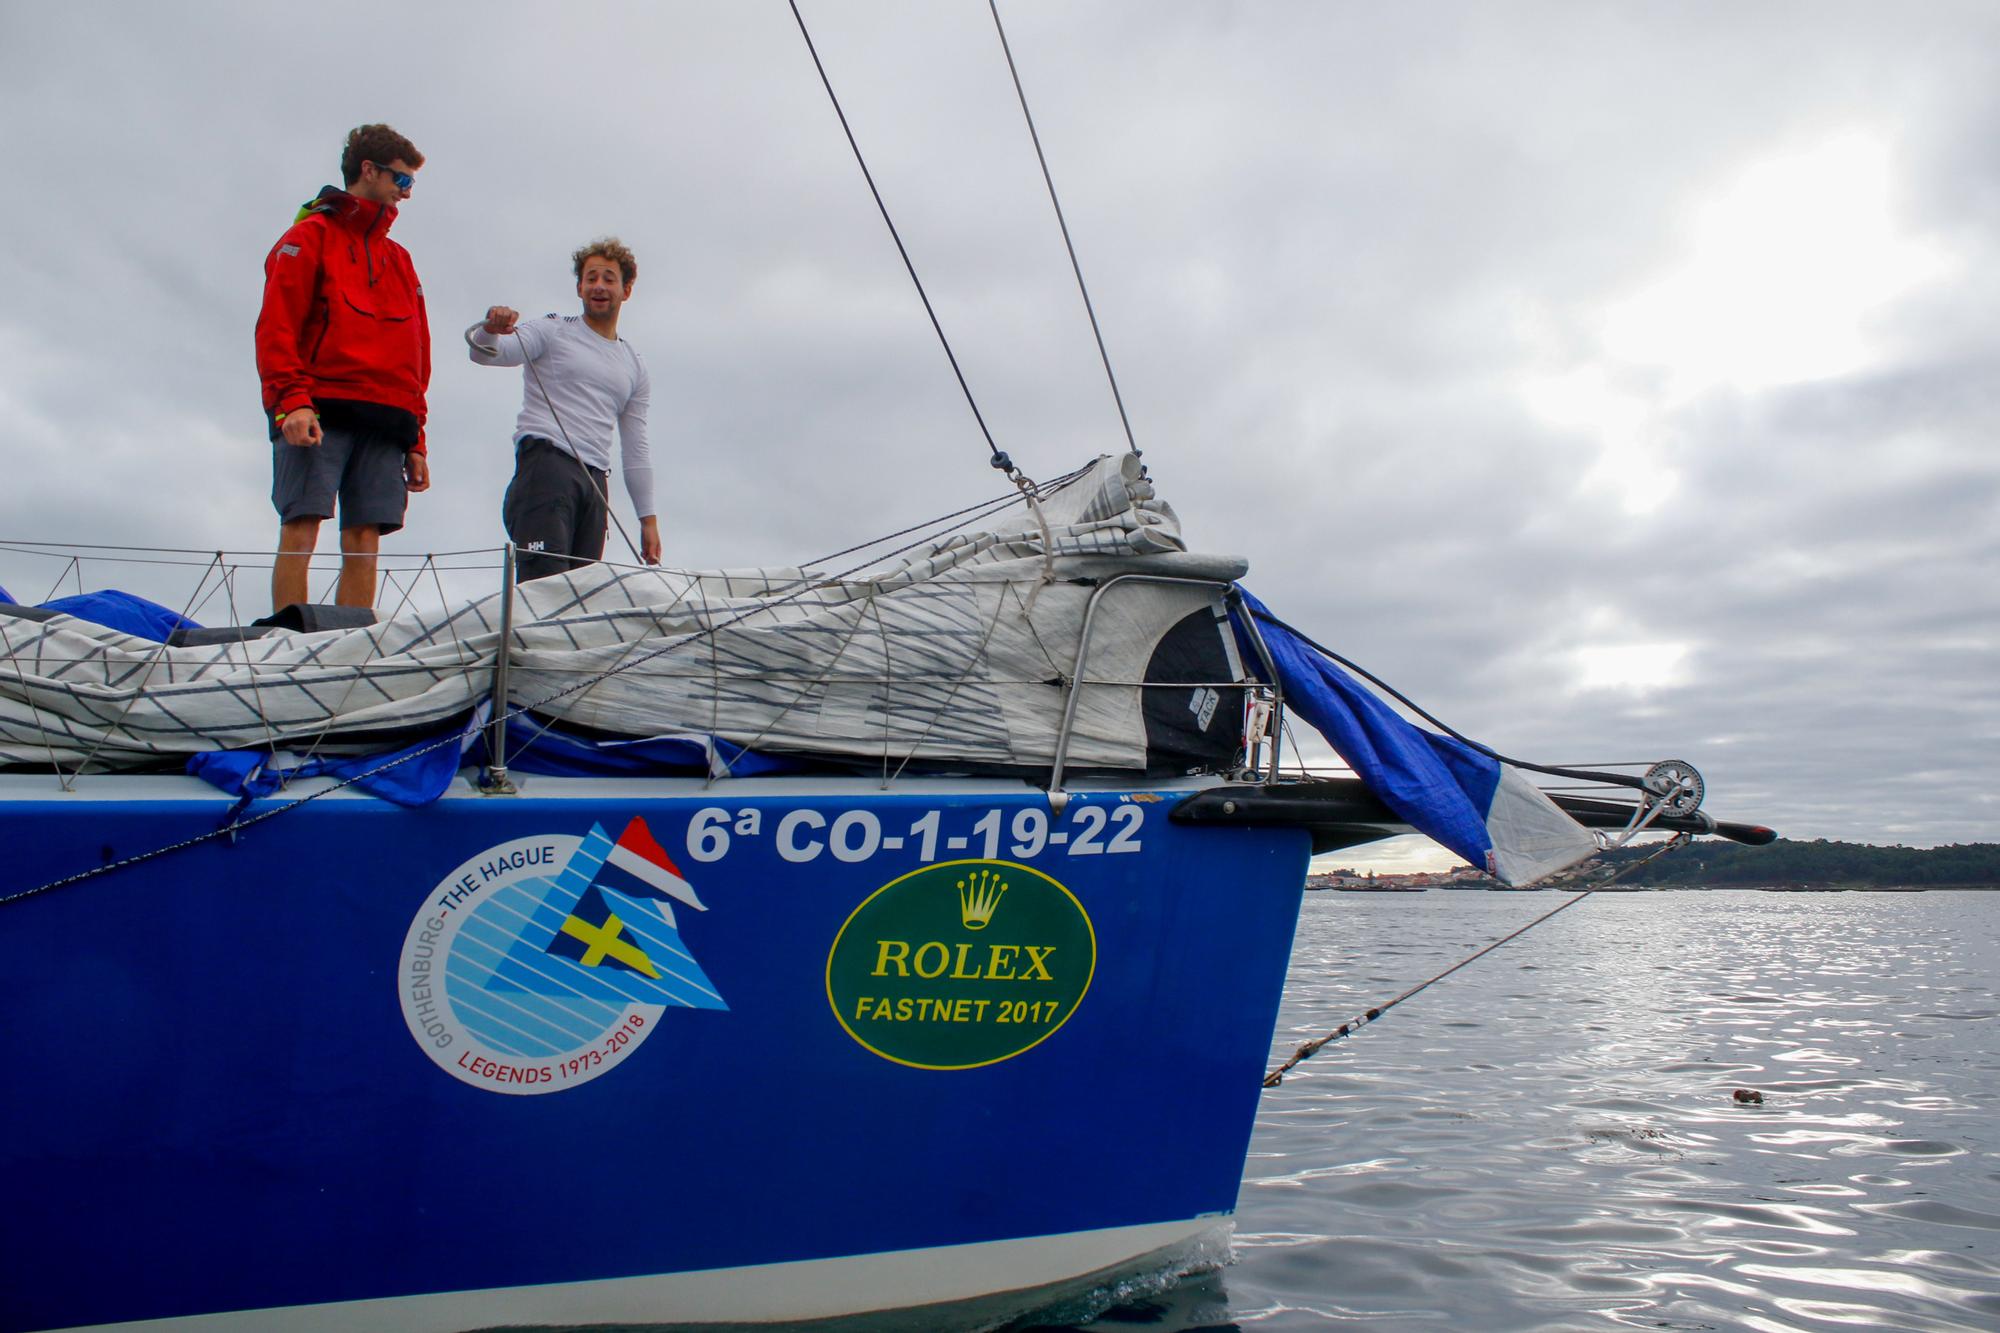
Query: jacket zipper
{"x":325,"y":323}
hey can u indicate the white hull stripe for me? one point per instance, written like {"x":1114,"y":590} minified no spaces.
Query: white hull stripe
{"x":763,"y":1293}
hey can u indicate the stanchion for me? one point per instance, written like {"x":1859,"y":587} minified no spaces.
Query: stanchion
{"x":496,"y":782}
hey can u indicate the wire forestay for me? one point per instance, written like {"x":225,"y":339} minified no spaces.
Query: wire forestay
{"x":1063,"y":223}
{"x":998,"y":457}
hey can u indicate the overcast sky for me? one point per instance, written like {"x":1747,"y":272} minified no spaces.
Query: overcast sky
{"x":1618,"y":381}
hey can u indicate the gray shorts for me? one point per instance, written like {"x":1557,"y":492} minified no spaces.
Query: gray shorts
{"x":363,"y":467}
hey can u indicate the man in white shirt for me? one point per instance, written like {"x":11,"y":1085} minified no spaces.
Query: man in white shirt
{"x":581,"y":380}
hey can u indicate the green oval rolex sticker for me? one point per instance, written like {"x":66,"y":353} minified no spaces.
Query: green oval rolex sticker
{"x":961,"y":964}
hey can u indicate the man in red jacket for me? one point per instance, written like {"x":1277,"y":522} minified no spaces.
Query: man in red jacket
{"x":344,"y":350}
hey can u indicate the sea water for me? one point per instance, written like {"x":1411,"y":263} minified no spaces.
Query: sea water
{"x":1551,"y":1138}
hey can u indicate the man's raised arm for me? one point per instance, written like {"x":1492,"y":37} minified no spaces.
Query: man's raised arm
{"x":487,"y":342}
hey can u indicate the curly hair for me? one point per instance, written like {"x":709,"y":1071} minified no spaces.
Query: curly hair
{"x":379,"y":144}
{"x":611,"y":248}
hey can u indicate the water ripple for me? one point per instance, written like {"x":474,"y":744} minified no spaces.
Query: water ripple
{"x":1551,"y":1138}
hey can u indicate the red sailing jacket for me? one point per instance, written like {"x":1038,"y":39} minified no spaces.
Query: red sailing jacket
{"x":343,"y":313}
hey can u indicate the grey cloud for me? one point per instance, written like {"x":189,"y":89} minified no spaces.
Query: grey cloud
{"x":1332,"y":246}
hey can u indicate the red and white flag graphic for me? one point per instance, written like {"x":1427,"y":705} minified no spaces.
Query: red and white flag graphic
{"x":639,"y":854}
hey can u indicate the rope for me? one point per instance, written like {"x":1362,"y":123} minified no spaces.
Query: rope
{"x":871,"y":604}
{"x":75,"y":566}
{"x":248,"y":559}
{"x":1075,"y":267}
{"x":1311,"y":1048}
{"x":603,"y":492}
{"x":145,"y":674}
{"x":450,"y":621}
{"x":1048,"y":540}
{"x":989,"y":506}
{"x":971,"y":665}
{"x":1582,"y":774}
{"x":652,"y":615}
{"x":805,"y":690}
{"x":333,"y":714}
{"x":998,"y":459}
{"x":256,"y":685}
{"x":700,"y":585}
{"x":27,"y":694}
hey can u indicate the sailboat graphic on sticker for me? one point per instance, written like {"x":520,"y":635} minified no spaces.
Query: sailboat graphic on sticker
{"x":559,"y":955}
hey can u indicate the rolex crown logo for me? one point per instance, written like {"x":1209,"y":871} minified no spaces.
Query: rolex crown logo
{"x":978,"y":898}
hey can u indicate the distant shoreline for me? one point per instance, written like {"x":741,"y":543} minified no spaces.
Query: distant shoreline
{"x":1443,"y":883}
{"x":1784,"y":866}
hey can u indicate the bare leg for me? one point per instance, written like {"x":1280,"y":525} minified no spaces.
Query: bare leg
{"x":289,"y":572}
{"x":357,"y":566}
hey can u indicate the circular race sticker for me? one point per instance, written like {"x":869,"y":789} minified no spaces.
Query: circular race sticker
{"x":539,"y":964}
{"x":961,"y":964}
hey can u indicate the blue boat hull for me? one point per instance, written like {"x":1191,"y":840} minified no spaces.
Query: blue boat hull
{"x":340,"y":1058}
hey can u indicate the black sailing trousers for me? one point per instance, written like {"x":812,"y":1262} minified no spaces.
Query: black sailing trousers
{"x":555,"y":510}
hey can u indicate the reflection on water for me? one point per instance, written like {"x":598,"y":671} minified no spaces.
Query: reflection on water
{"x":1549,"y":1139}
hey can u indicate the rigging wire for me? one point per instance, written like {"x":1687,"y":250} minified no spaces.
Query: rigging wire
{"x":987,"y":506}
{"x":998,"y":458}
{"x":75,"y":566}
{"x":1311,"y":1048}
{"x":1061,"y":222}
{"x":1582,"y":774}
{"x":219,"y":568}
{"x":246,"y":559}
{"x":462,"y":738}
{"x":603,"y":492}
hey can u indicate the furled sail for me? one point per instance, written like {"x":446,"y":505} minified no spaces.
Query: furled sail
{"x":956,"y":657}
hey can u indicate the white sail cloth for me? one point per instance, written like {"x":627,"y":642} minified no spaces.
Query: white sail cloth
{"x":957,"y":656}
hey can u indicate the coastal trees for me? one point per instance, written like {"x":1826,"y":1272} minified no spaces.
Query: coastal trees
{"x":1818,"y":863}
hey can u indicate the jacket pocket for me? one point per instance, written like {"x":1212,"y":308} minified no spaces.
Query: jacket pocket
{"x":382,"y":302}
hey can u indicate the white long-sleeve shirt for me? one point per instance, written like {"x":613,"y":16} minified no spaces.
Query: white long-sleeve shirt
{"x":593,"y":383}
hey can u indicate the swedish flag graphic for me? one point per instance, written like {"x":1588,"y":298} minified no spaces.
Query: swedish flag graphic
{"x":604,"y":940}
{"x":593,"y":935}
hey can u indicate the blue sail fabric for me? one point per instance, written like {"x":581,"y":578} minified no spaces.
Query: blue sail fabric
{"x":421,"y":772}
{"x":123,"y":611}
{"x":1441,"y":786}
{"x":534,"y":746}
{"x":414,"y":775}
{"x":7,"y":598}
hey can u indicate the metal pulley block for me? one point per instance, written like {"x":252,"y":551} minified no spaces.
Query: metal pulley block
{"x":1676,"y":785}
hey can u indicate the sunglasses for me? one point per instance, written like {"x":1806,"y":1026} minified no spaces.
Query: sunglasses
{"x":404,"y":180}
